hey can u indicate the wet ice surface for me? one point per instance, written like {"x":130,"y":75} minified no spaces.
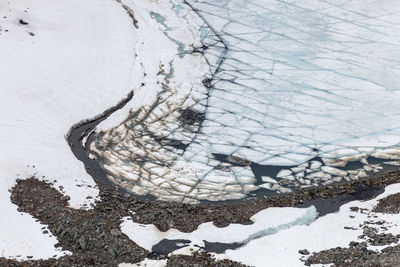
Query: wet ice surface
{"x":293,"y":92}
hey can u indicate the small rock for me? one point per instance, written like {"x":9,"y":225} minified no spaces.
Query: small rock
{"x":82,"y":242}
{"x":353,"y":244}
{"x":304,"y":252}
{"x":115,"y":232}
{"x":22,"y":22}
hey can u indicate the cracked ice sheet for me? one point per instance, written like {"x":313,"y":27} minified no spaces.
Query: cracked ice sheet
{"x":308,"y":73}
{"x":301,"y":79}
{"x":77,"y":64}
{"x":303,"y":75}
{"x":277,"y":233}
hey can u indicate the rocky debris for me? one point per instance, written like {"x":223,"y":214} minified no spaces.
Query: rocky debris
{"x":357,"y":209}
{"x":94,"y":236}
{"x":187,"y":218}
{"x":198,"y":260}
{"x":357,"y":255}
{"x":190,"y":116}
{"x":22,"y":22}
{"x":389,"y":204}
{"x":349,"y":228}
{"x":304,"y":252}
{"x":375,"y":239}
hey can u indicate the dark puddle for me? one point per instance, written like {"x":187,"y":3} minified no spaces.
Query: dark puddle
{"x":272,"y":170}
{"x":166,"y":246}
{"x":325,"y":206}
{"x":220,"y":248}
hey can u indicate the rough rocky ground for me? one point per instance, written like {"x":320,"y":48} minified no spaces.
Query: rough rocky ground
{"x":357,"y":256}
{"x":198,"y":260}
{"x":390,"y":204}
{"x":93,"y":236}
{"x":95,"y":239}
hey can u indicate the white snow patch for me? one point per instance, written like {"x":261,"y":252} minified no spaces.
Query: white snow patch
{"x":76,"y":63}
{"x":146,"y":263}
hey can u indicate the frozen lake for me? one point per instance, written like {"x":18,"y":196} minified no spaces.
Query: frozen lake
{"x":295,"y":91}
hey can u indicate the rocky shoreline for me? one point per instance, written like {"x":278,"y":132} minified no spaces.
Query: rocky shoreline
{"x":94,"y":236}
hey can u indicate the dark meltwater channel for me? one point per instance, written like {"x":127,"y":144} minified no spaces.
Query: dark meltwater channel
{"x":82,"y":130}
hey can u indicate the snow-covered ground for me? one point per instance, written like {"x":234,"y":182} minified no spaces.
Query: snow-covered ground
{"x":146,"y":263}
{"x":70,"y":62}
{"x":277,"y":234}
